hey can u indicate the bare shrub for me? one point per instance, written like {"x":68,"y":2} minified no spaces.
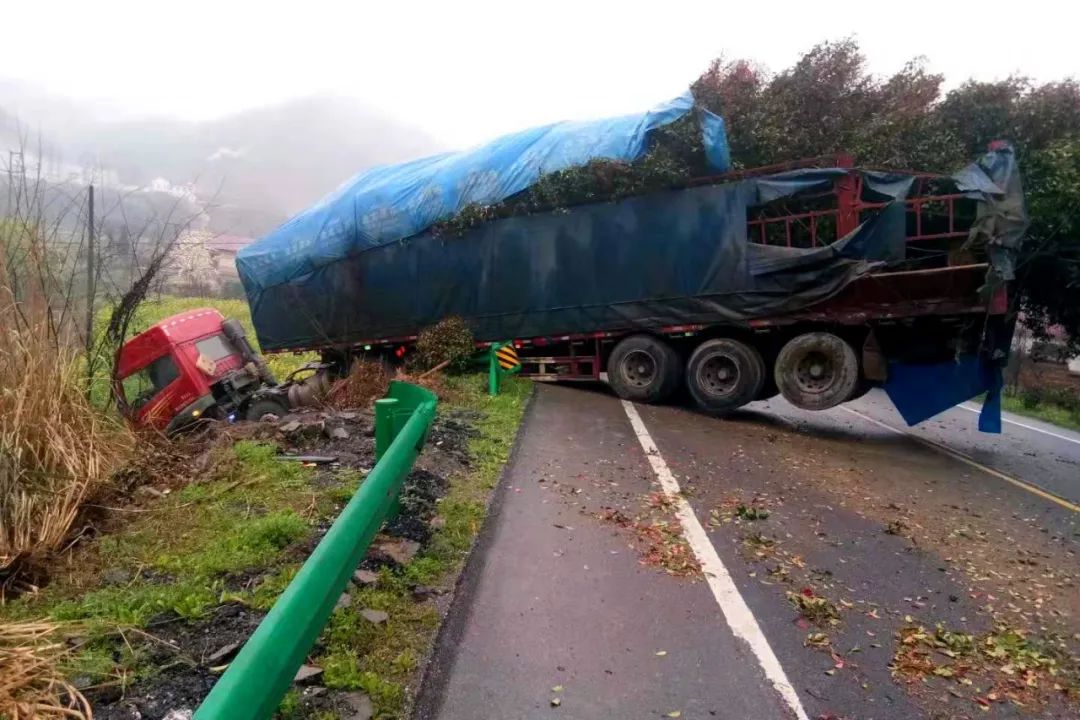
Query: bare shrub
{"x":366,"y":381}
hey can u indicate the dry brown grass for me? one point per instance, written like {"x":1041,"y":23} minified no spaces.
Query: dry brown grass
{"x":55,"y":448}
{"x":32,"y":685}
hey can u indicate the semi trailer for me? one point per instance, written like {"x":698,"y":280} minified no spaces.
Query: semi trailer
{"x":816,"y":280}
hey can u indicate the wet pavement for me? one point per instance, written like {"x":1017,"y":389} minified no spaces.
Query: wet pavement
{"x":561,"y":604}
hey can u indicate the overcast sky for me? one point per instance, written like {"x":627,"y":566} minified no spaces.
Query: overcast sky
{"x":467,"y":70}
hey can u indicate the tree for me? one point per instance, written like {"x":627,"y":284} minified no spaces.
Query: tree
{"x":828,"y":102}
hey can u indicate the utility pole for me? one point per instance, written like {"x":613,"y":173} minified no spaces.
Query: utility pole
{"x":90,"y":270}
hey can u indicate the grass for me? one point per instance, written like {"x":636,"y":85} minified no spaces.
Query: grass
{"x":184,"y":554}
{"x":1045,"y":411}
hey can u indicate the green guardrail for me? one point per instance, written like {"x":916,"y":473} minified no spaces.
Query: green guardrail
{"x":256,"y":681}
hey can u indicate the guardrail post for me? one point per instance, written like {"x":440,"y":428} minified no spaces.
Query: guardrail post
{"x":385,"y":427}
{"x":493,"y":371}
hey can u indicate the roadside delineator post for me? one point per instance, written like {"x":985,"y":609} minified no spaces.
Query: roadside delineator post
{"x":503,"y":361}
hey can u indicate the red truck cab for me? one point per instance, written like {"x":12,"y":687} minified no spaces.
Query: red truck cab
{"x":193,"y":365}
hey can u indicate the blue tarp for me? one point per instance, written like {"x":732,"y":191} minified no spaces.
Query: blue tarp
{"x":390,"y":203}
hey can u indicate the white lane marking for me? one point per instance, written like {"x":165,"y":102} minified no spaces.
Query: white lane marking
{"x":1024,"y":425}
{"x":735,"y":610}
{"x":957,"y":455}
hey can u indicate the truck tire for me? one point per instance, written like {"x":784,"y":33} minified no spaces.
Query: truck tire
{"x":260,"y":408}
{"x":724,"y":374}
{"x":817,"y":371}
{"x":644,"y":369}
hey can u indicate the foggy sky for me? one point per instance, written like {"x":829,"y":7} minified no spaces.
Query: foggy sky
{"x":464,"y":71}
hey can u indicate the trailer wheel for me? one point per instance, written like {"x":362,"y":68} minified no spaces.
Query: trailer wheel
{"x":817,"y":371}
{"x":262,"y":407}
{"x":724,"y":374}
{"x":644,"y":369}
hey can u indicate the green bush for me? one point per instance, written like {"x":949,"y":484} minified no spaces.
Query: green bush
{"x":449,"y":340}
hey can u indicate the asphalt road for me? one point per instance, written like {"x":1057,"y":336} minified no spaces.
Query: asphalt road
{"x":572,"y":607}
{"x":1044,"y":455}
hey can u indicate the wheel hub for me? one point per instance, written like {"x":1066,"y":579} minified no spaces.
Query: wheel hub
{"x":719,"y":375}
{"x":814,"y":372}
{"x":639,"y":368}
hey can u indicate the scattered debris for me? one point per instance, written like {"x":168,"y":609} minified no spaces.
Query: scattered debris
{"x":375,"y":617}
{"x":393,"y":551}
{"x":314,"y":459}
{"x":751,"y":513}
{"x":1017,"y":667}
{"x":895,"y":527}
{"x":358,"y":706}
{"x":307,"y":673}
{"x":813,"y":607}
{"x":365,"y":577}
{"x":222,"y":653}
{"x":658,"y":535}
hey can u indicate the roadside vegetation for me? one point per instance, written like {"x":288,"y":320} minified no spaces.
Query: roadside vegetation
{"x":236,"y":533}
{"x":1057,"y":407}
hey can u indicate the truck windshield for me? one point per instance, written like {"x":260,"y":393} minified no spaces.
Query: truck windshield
{"x":140,"y":387}
{"x":214,"y":347}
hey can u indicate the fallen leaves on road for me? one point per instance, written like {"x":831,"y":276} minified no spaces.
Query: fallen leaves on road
{"x":1013,"y":665}
{"x":658,"y":535}
{"x":813,"y":607}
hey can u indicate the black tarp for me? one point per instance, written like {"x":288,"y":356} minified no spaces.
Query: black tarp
{"x":674,"y":257}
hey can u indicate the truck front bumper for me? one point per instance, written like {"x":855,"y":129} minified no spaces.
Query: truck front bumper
{"x":190,"y":414}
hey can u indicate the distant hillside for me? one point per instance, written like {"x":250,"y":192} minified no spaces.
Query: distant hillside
{"x":255,"y":168}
